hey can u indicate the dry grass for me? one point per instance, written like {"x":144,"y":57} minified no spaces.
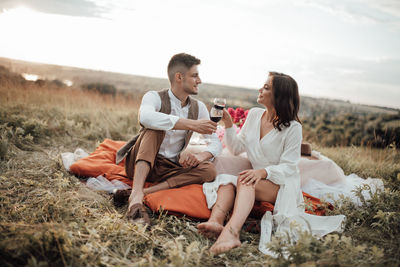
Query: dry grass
{"x":49,"y":217}
{"x":370,"y":162}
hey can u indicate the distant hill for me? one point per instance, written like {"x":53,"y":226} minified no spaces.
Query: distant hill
{"x":325,"y":121}
{"x":236,"y":96}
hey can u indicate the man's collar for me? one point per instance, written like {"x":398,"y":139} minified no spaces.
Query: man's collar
{"x":177,"y":100}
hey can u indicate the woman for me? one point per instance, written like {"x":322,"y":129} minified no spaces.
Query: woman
{"x":271,"y":137}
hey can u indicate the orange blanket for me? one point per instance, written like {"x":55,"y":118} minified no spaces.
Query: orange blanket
{"x":188,"y":200}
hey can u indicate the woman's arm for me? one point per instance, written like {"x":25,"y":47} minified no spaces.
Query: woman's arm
{"x":235,"y":142}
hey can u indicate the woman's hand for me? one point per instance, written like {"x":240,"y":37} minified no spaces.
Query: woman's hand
{"x":227,"y":119}
{"x":252,"y":177}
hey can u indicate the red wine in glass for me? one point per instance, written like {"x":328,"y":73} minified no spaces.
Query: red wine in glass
{"x":216,"y":111}
{"x":215,"y":119}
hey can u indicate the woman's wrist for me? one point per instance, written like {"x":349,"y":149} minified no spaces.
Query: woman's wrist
{"x":227,"y":119}
{"x":228,"y":125}
{"x":227,"y":122}
{"x":264,"y":173}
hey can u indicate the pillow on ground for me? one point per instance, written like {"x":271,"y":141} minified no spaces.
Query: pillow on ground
{"x":187,"y":200}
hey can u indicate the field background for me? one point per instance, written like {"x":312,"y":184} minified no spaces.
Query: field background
{"x":48,"y":216}
{"x":325,"y":121}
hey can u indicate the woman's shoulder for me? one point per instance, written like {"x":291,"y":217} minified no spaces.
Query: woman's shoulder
{"x":255,"y":110}
{"x":254,"y":113}
{"x":295,"y":127}
{"x":295,"y":123}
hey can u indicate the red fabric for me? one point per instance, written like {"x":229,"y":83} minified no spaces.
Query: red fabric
{"x":188,"y":200}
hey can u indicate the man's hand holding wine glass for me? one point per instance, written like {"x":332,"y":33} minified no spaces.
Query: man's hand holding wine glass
{"x":200,"y":126}
{"x":205,"y":127}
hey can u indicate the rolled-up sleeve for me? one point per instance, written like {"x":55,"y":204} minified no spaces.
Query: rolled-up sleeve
{"x":215,"y":146}
{"x":287,"y":167}
{"x":150,"y":115}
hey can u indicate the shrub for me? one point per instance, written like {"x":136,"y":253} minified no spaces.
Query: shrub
{"x":102,"y":88}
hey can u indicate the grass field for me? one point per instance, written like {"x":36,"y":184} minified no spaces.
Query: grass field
{"x":49,"y":218}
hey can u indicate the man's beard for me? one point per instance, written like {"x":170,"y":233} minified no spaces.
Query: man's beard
{"x":190,"y":92}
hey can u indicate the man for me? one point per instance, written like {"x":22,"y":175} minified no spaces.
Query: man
{"x":169,"y":118}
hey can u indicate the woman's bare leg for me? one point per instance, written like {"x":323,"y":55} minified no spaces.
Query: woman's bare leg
{"x":244,"y":202}
{"x":221,"y":208}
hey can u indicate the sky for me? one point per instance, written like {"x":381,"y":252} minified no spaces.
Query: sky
{"x":343,"y":49}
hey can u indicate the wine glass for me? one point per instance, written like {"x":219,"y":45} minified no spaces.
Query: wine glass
{"x":217,"y":111}
{"x":219,"y":103}
{"x":216,"y":114}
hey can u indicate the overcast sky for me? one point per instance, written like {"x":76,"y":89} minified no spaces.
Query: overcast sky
{"x":343,"y":49}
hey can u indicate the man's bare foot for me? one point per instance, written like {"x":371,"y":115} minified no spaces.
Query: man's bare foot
{"x":137,"y":212}
{"x":135,"y":197}
{"x":228,"y":239}
{"x":210,"y":229}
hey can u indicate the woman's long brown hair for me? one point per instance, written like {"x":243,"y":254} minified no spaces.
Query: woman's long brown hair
{"x":286,"y":99}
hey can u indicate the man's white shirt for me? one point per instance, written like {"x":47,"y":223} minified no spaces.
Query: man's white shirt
{"x":173,"y":142}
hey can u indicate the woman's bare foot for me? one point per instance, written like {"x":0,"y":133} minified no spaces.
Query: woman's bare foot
{"x":210,"y":229}
{"x":228,"y":239}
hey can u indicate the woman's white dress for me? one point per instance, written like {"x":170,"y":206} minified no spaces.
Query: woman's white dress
{"x":278,"y":152}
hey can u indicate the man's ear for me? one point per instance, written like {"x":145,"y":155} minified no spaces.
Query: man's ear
{"x":178,"y":77}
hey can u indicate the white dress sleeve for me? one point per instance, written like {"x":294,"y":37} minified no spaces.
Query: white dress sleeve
{"x":236,"y":142}
{"x":287,"y":166}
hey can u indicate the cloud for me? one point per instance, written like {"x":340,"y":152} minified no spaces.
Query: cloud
{"x":82,"y":8}
{"x":362,"y":80}
{"x":360,"y":11}
{"x":391,"y":7}
{"x":384,"y":71}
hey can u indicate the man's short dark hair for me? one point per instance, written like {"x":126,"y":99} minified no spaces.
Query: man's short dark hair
{"x":181,"y":63}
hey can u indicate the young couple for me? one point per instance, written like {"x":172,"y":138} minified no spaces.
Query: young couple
{"x":271,"y":137}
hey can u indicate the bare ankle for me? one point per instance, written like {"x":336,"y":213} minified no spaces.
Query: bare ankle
{"x":137,"y":192}
{"x":219,"y":214}
{"x":136,"y":197}
{"x":216,"y":220}
{"x":145,"y":191}
{"x":235,"y":232}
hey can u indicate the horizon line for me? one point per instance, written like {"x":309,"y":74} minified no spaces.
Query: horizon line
{"x":206,"y":83}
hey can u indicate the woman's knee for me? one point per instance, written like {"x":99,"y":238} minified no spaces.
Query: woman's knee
{"x":226,"y":187}
{"x":240,"y":185}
